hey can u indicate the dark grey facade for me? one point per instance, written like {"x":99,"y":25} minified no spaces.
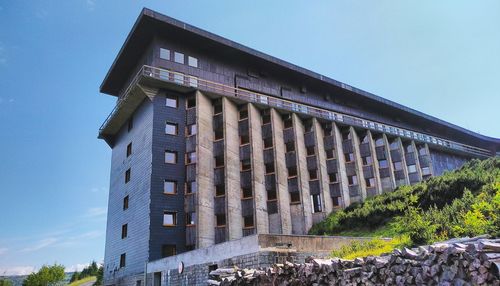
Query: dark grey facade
{"x":262,"y":146}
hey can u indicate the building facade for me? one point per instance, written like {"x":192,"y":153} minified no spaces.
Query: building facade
{"x":213,"y":141}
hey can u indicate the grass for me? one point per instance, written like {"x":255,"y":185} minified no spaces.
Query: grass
{"x":374,"y":247}
{"x":84,"y":280}
{"x":386,"y":230}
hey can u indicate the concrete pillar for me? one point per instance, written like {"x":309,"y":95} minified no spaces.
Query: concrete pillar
{"x":232,"y":169}
{"x":342,"y":175}
{"x":417,"y":161}
{"x":358,"y":163}
{"x":321,"y":163}
{"x":389,"y":161}
{"x":431,"y":165}
{"x":261,"y":219}
{"x":205,"y":172}
{"x":281,"y":173}
{"x":302,"y":177}
{"x":376,"y":172}
{"x":403,"y":160}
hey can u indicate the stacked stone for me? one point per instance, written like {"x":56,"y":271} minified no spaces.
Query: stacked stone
{"x":473,"y":261}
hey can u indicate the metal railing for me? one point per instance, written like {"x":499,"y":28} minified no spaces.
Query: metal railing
{"x":252,"y":96}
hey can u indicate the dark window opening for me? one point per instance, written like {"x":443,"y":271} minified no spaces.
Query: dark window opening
{"x":191,"y":102}
{"x":168,"y":250}
{"x":295,"y":198}
{"x":370,"y":182}
{"x":246,"y":165}
{"x":123,"y":260}
{"x":310,"y":150}
{"x":271,"y":195}
{"x":124,"y":230}
{"x":248,"y":221}
{"x":218,"y":108}
{"x":346,"y":135}
{"x":332,"y":177}
{"x":316,"y":203}
{"x":367,"y":160}
{"x":220,"y":219}
{"x":244,"y":139}
{"x":292,"y":171}
{"x":349,"y":157}
{"x":190,"y":218}
{"x":219,"y":161}
{"x":330,"y":154}
{"x":266,"y":118}
{"x":191,"y":129}
{"x":287,"y":122}
{"x":243,"y":114}
{"x":219,"y":134}
{"x":270,"y":168}
{"x":125,"y":203}
{"x":127,"y":176}
{"x":308,"y":127}
{"x":313,"y":174}
{"x":268,"y":142}
{"x":246,"y":193}
{"x":129,"y":149}
{"x":336,"y":201}
{"x":190,"y":158}
{"x":190,"y":187}
{"x":220,"y":190}
{"x":352,"y":180}
{"x":290,"y":146}
{"x":130,"y":124}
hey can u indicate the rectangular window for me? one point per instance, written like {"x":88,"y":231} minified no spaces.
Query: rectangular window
{"x":332,"y":177}
{"x":169,"y":187}
{"x":292,"y":171}
{"x":193,"y":81}
{"x":169,"y":218}
{"x":192,"y":62}
{"x":295,"y":198}
{"x":178,"y":78}
{"x":191,"y":102}
{"x":190,"y":158}
{"x":412,"y":169}
{"x":316,"y":203}
{"x":409,"y":148}
{"x":287,"y":122}
{"x":220,"y":219}
{"x":269,"y":168}
{"x":164,"y":54}
{"x":271,"y":194}
{"x":330,"y":154}
{"x":308,"y":127}
{"x":170,"y":157}
{"x":127,"y":176}
{"x":244,"y":139}
{"x":171,"y":128}
{"x":191,"y":129}
{"x":243,"y":114}
{"x":191,"y":187}
{"x":370,"y":182}
{"x":179,"y":57}
{"x":367,"y":160}
{"x":246,"y":165}
{"x":123,"y":258}
{"x":171,"y":101}
{"x":398,"y":166}
{"x":336,"y":201}
{"x":426,"y":171}
{"x":310,"y":150}
{"x":124,"y":230}
{"x":268,"y":142}
{"x":290,"y":146}
{"x":383,"y":164}
{"x":248,"y":221}
{"x":190,"y":218}
{"x":379,"y":142}
{"x":164,"y":74}
{"x":266,"y":118}
{"x":125,"y":203}
{"x":246,"y":193}
{"x":130,"y":124}
{"x":129,"y":149}
{"x":220,"y":190}
{"x":422,"y":151}
{"x":313,"y":174}
{"x":352,"y":180}
{"x":394,"y":145}
{"x":218,"y":107}
{"x":168,"y":250}
{"x":349,"y":157}
{"x":346,"y":135}
{"x":219,"y":161}
{"x":218,"y":134}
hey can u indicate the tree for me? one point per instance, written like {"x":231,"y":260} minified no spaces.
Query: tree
{"x":5,"y":282}
{"x":47,"y":275}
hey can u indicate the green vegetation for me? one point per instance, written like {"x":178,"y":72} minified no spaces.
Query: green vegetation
{"x":5,"y":282}
{"x":93,"y":270}
{"x":81,"y":281}
{"x":45,"y":276}
{"x":465,"y":202}
{"x":374,"y":247}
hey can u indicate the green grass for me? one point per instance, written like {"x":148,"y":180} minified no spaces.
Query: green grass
{"x":386,"y":230}
{"x":374,"y":247}
{"x":84,"y":280}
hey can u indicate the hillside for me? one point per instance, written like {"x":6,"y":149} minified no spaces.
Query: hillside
{"x":464,"y":202}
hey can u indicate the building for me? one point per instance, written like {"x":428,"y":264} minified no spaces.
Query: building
{"x":213,"y":141}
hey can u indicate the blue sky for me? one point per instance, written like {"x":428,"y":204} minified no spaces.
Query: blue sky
{"x":439,"y":57}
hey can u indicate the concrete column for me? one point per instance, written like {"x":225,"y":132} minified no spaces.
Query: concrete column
{"x":342,"y":175}
{"x":358,"y":163}
{"x":302,"y":177}
{"x":205,"y":172}
{"x":417,"y":161}
{"x":322,"y":171}
{"x":261,"y":219}
{"x":232,"y":169}
{"x":281,"y":173}
{"x":376,"y":172}
{"x":431,"y":166}
{"x":389,"y":160}
{"x":403,"y":160}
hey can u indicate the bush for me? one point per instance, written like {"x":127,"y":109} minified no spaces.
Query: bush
{"x":45,"y":276}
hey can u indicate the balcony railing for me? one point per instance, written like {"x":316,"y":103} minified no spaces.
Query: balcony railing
{"x":259,"y":98}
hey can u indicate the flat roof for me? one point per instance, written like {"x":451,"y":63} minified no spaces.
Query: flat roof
{"x":150,"y":23}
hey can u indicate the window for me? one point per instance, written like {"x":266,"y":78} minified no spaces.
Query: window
{"x":346,"y":135}
{"x":171,"y":101}
{"x":383,"y":164}
{"x":352,"y":180}
{"x":164,"y":54}
{"x":178,"y":78}
{"x":365,"y":139}
{"x":287,"y":122}
{"x":218,"y":107}
{"x":190,"y":247}
{"x":243,"y":114}
{"x":129,"y":149}
{"x":412,"y":169}
{"x":125,"y":203}
{"x":332,"y":177}
{"x":409,"y":148}
{"x":310,"y":150}
{"x":394,"y":145}
{"x":269,"y":168}
{"x":170,"y":157}
{"x":328,"y":130}
{"x":191,"y":187}
{"x":168,"y":250}
{"x":271,"y":194}
{"x":248,"y":221}
{"x":266,"y":118}
{"x":268,"y":142}
{"x":349,"y":157}
{"x":130,"y":124}
{"x":190,"y":158}
{"x":169,"y":187}
{"x":313,"y":174}
{"x":244,"y":139}
{"x":138,"y":283}
{"x":191,"y":102}
{"x":246,"y":193}
{"x":308,"y":127}
{"x":127,"y":176}
{"x":295,"y":198}
{"x":219,"y":161}
{"x":330,"y":154}
{"x":426,"y":171}
{"x":398,"y":166}
{"x":124,"y":230}
{"x":191,"y":129}
{"x":179,"y":57}
{"x":370,"y":182}
{"x":218,"y":134}
{"x":290,"y":146}
{"x":246,"y":165}
{"x":316,"y":203}
{"x":164,"y":74}
{"x":422,"y":150}
{"x":292,"y":171}
{"x":379,"y":141}
{"x":169,"y":218}
{"x":190,"y":218}
{"x":193,"y":81}
{"x":192,"y":62}
{"x":367,"y":160}
{"x":122,"y":260}
{"x":220,"y":190}
{"x":171,"y":128}
{"x":220,"y":219}
{"x":336,"y":201}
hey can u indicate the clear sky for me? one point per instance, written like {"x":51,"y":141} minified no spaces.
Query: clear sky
{"x":439,"y":57}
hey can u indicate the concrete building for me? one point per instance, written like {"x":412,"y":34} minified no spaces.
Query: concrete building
{"x":213,"y":141}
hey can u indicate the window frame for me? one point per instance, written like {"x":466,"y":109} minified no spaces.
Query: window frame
{"x":174,"y":187}
{"x":172,"y":125}
{"x":174,"y":153}
{"x":171,"y":98}
{"x":174,"y":218}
